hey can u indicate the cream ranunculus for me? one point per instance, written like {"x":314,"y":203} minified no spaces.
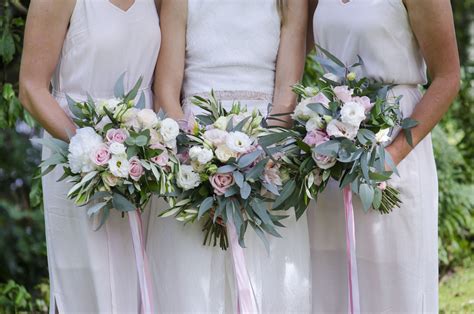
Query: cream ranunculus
{"x":353,"y":113}
{"x":221,"y":123}
{"x":201,"y":155}
{"x":315,"y":123}
{"x":223,"y":153}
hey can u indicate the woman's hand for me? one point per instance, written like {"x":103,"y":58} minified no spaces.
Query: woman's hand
{"x":432,"y":23}
{"x":291,"y":59}
{"x":45,"y":31}
{"x":170,"y":66}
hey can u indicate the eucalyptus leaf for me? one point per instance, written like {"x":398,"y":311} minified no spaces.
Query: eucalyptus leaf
{"x":366,"y":193}
{"x":247,"y":159}
{"x":245,"y":191}
{"x":121,"y":203}
{"x":94,"y":209}
{"x":329,"y":148}
{"x":205,"y":206}
{"x":119,"y":91}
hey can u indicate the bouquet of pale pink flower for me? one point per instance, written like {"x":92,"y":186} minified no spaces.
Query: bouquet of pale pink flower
{"x":225,"y":176}
{"x":120,"y":155}
{"x":341,"y":127}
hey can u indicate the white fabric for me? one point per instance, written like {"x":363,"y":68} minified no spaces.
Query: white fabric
{"x":397,"y":253}
{"x":231,"y":44}
{"x":235,"y":44}
{"x":94,"y":272}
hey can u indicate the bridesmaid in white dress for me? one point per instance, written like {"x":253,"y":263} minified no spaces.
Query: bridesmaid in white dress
{"x":244,"y":51}
{"x":397,"y":253}
{"x":83,"y":46}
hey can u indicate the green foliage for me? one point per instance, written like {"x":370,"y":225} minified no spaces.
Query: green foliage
{"x":456,"y":292}
{"x":15,"y":298}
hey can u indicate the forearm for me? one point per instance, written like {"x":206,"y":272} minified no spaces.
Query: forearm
{"x":168,"y":100}
{"x":428,"y":113}
{"x":46,"y":110}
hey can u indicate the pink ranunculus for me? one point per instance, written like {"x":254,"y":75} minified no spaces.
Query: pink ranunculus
{"x":135,"y":170}
{"x":316,"y":137}
{"x":271,"y":174}
{"x":365,"y":102}
{"x":343,"y":93}
{"x":319,"y":98}
{"x":161,"y":160}
{"x":116,"y":135}
{"x":221,"y":182}
{"x":101,"y":155}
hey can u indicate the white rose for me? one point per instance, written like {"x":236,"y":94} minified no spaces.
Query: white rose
{"x":223,"y":153}
{"x":337,"y":128}
{"x":169,"y":129}
{"x":117,"y":148}
{"x":119,"y":166}
{"x":147,"y":118}
{"x":353,"y":113}
{"x":303,"y":112}
{"x":187,"y":179}
{"x":82,"y":145}
{"x":201,"y":155}
{"x":238,"y":142}
{"x":315,"y":123}
{"x":382,"y":136}
{"x":221,"y":123}
{"x":215,"y":136}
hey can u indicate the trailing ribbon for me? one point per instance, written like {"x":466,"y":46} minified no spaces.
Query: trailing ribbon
{"x":245,"y":297}
{"x":353,"y":278}
{"x":143,"y":269}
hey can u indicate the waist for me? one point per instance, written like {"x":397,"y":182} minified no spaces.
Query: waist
{"x":238,"y":95}
{"x":96,"y":96}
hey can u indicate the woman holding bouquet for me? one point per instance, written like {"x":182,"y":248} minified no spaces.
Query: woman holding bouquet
{"x":84,"y":46}
{"x":396,"y":253}
{"x":247,"y":51}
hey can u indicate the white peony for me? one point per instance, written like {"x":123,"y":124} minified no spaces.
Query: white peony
{"x":82,"y":145}
{"x":187,"y":179}
{"x":382,"y":136}
{"x":221,"y":123}
{"x":337,"y":128}
{"x":147,"y":118}
{"x":169,"y":130}
{"x":315,"y":123}
{"x":215,"y":136}
{"x":353,"y":113}
{"x":238,"y":142}
{"x":117,"y":148}
{"x":223,"y":153}
{"x":119,"y":166}
{"x":201,"y":155}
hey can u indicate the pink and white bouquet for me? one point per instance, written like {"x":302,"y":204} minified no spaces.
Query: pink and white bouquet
{"x":341,"y":126}
{"x":120,"y":155}
{"x":224,"y":175}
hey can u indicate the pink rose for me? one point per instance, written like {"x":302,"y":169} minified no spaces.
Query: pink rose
{"x":324,"y":162}
{"x":343,"y":93}
{"x":365,"y":102}
{"x":215,"y":136}
{"x":116,"y":135}
{"x":271,"y":174}
{"x":319,"y":98}
{"x":221,"y":182}
{"x":161,"y":160}
{"x":136,"y":169}
{"x":383,"y":185}
{"x":101,"y":155}
{"x":316,"y":137}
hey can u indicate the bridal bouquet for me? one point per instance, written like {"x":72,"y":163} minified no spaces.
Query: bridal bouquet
{"x":120,"y":155}
{"x":225,"y":177}
{"x":342,"y":125}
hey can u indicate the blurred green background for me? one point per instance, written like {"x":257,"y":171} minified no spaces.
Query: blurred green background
{"x":23,"y":265}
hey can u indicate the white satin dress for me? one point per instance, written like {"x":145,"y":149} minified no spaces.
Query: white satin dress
{"x":396,"y":254}
{"x":94,"y":271}
{"x":231,"y":47}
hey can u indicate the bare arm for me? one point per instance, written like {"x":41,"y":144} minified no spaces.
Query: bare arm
{"x":432,"y":23}
{"x":45,"y":30}
{"x":291,"y":57}
{"x":312,"y":4}
{"x":170,"y":67}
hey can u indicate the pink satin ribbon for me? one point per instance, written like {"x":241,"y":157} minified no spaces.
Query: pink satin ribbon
{"x":353,"y":278}
{"x":245,"y":297}
{"x":143,"y":269}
